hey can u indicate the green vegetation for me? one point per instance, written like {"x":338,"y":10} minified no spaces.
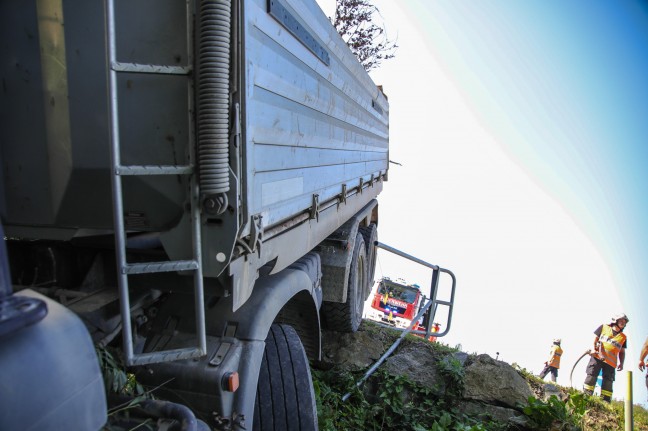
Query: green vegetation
{"x":116,"y":380}
{"x":396,"y":404}
{"x":555,"y":414}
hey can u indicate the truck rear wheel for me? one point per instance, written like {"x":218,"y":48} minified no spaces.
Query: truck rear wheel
{"x":370,"y":235}
{"x":285,"y":399}
{"x":346,"y":317}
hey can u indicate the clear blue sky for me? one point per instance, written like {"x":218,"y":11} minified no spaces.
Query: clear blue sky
{"x":563,"y":87}
{"x":522,"y":127}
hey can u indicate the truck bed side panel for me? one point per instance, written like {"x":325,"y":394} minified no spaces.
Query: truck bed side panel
{"x":312,"y":127}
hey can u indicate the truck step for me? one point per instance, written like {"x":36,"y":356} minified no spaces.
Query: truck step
{"x":150,"y":68}
{"x":154,"y":267}
{"x":166,"y":356}
{"x":154,"y":170}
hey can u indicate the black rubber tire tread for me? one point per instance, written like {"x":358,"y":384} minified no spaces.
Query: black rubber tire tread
{"x":285,"y":398}
{"x":347,"y":316}
{"x":370,"y":235}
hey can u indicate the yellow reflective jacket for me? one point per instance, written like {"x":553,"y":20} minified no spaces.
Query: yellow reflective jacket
{"x":611,"y":345}
{"x":554,"y":356}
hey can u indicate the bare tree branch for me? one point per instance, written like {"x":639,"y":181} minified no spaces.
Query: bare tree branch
{"x":354,"y":21}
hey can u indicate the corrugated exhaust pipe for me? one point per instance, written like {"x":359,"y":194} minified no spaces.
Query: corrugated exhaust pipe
{"x":213,"y":103}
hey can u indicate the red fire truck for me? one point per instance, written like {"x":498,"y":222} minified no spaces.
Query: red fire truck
{"x":395,"y":302}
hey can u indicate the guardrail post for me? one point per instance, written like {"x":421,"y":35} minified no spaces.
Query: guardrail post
{"x":628,"y":404}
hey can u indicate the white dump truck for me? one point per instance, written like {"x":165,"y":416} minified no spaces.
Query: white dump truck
{"x":192,"y":182}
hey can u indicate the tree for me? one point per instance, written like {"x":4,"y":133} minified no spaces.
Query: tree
{"x":354,"y":21}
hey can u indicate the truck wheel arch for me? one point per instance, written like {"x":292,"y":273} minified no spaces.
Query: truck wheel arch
{"x":292,"y":296}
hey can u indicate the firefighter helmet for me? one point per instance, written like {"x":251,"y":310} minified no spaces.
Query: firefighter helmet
{"x":620,"y":316}
{"x":557,"y":341}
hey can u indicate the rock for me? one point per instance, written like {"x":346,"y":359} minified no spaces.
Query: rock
{"x":519,"y":423}
{"x":417,"y":362}
{"x":551,"y":389}
{"x":483,"y":411}
{"x":350,"y":352}
{"x":495,"y":382}
{"x":462,"y":357}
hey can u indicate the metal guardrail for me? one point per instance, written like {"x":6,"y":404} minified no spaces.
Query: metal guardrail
{"x":431,"y":303}
{"x":433,"y":291}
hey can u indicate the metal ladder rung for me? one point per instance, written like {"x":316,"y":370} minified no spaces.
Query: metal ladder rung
{"x":150,"y":68}
{"x":117,"y":173}
{"x":166,"y":356}
{"x":154,"y":267}
{"x":154,"y":170}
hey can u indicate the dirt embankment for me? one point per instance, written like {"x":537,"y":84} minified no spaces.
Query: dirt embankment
{"x":476,"y":389}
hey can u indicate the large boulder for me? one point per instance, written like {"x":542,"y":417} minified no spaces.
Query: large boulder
{"x":495,"y":382}
{"x":351,"y":351}
{"x":417,"y":362}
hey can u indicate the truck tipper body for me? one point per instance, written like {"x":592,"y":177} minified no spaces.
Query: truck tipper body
{"x":193,"y":183}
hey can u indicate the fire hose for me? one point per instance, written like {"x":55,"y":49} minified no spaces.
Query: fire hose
{"x":587,"y":352}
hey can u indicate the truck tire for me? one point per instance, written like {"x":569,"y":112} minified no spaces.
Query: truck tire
{"x":370,"y":235}
{"x":285,"y":399}
{"x":346,"y":317}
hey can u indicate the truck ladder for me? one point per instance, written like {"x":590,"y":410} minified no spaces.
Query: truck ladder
{"x":118,"y":171}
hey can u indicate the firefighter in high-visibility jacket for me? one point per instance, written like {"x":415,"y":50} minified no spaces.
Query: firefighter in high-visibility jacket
{"x":553,"y":363}
{"x":608,"y":355}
